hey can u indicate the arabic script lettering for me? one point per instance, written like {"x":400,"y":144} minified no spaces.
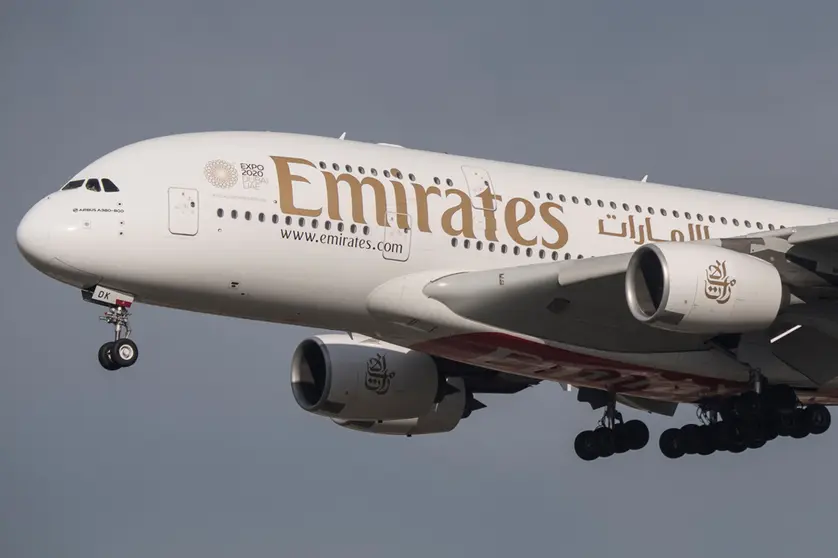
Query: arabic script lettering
{"x":378,"y":377}
{"x":718,"y":284}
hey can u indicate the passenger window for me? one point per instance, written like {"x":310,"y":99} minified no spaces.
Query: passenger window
{"x":109,"y":186}
{"x":73,"y":184}
{"x":93,"y":185}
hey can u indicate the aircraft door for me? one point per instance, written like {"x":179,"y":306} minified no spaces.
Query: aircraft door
{"x":183,"y":211}
{"x":479,"y":181}
{"x":396,"y":245}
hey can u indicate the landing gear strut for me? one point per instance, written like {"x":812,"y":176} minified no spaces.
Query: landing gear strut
{"x":611,"y":436}
{"x":746,"y":421}
{"x":121,"y":352}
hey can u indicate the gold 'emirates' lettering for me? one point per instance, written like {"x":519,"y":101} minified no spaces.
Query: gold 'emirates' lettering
{"x":456,"y":220}
{"x":286,"y":186}
{"x":513,"y":222}
{"x":466,"y":218}
{"x":357,"y":197}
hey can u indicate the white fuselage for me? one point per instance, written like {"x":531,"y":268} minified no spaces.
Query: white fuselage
{"x":301,"y":230}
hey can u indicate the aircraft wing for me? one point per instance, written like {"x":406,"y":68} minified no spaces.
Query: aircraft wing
{"x":583,"y":303}
{"x":578,"y":302}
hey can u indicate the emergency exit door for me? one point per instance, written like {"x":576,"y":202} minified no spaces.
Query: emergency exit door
{"x":183,"y":211}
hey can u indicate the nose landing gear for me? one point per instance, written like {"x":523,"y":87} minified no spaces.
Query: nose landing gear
{"x":122,"y":352}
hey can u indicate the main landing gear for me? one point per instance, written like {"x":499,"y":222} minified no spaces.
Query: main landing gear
{"x":121,"y":352}
{"x":746,"y":421}
{"x":611,"y":436}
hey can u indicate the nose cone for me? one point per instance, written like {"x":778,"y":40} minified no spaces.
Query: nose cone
{"x":47,"y":242}
{"x":33,"y":237}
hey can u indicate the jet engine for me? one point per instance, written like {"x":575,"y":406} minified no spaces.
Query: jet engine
{"x":699,"y":288}
{"x":443,"y":417}
{"x":364,"y":379}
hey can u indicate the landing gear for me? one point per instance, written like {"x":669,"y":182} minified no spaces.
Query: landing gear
{"x":121,"y":352}
{"x":611,"y":436}
{"x":746,"y":421}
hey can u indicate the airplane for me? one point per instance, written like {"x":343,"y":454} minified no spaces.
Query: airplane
{"x":440,"y":277}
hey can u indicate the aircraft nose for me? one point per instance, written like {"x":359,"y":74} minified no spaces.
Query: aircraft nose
{"x":33,"y":236}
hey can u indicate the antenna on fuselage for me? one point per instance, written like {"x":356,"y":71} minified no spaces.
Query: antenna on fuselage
{"x":644,"y":178}
{"x":342,"y":136}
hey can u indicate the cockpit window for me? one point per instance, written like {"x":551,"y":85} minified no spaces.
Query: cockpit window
{"x":73,"y":184}
{"x":93,"y":184}
{"x":109,"y":186}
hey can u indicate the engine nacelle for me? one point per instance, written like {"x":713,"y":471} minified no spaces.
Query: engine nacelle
{"x":364,"y":379}
{"x":443,"y":417}
{"x":700,"y":288}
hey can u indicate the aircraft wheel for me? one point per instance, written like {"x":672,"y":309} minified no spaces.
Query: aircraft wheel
{"x":605,"y":441}
{"x":752,"y":434}
{"x":715,"y":432}
{"x":622,"y":438}
{"x":770,"y":425}
{"x":781,"y":397}
{"x":786,"y":423}
{"x":637,"y":434}
{"x":817,"y":418}
{"x":124,"y":352}
{"x":800,"y":429}
{"x":690,"y":434}
{"x":586,"y":446}
{"x":671,"y":443}
{"x":105,"y":357}
{"x":747,"y":404}
{"x":706,"y":445}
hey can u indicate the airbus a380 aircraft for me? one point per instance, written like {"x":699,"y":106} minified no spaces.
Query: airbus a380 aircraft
{"x":460,"y":276}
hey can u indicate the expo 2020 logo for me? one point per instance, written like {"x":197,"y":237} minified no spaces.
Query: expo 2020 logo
{"x":221,"y":174}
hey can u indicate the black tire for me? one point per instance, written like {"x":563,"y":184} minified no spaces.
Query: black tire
{"x":637,"y":434}
{"x":690,"y":436}
{"x":752,"y":434}
{"x":716,"y":432}
{"x":124,"y":352}
{"x":622,"y":438}
{"x":801,"y":428}
{"x":585,"y":446}
{"x":672,"y":443}
{"x":817,"y":418}
{"x":706,"y":443}
{"x":747,"y":405}
{"x":105,"y":359}
{"x":737,"y":447}
{"x":605,"y":441}
{"x":786,"y":423}
{"x":770,"y":425}
{"x":780,"y":397}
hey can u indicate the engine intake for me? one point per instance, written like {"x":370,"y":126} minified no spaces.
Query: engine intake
{"x":364,"y":379}
{"x":700,"y":288}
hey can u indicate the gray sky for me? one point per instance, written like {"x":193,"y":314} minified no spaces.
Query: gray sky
{"x":200,"y":450}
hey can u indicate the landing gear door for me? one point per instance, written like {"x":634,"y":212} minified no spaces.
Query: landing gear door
{"x":396,"y":245}
{"x":183,"y":211}
{"x":479,"y":181}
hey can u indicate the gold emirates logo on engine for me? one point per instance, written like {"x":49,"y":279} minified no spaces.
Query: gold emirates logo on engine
{"x":718,"y":285}
{"x":458,"y":219}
